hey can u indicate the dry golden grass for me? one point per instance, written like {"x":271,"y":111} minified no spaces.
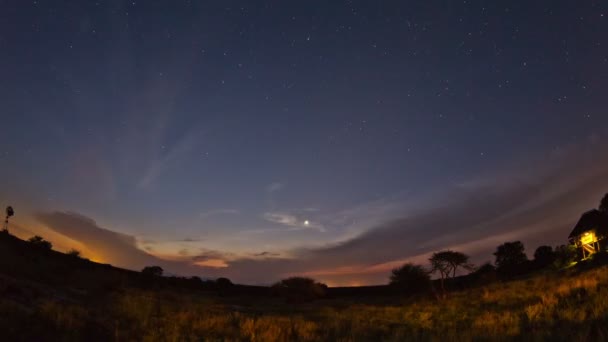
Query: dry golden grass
{"x":561,"y":306}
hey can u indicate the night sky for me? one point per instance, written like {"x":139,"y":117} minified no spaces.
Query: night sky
{"x":334,"y":139}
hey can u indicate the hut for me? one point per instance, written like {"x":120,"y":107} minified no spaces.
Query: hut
{"x":590,"y":234}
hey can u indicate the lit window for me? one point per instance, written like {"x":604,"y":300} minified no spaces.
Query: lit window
{"x":588,"y":238}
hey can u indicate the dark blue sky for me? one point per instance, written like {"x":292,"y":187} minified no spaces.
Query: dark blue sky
{"x":276,"y":126}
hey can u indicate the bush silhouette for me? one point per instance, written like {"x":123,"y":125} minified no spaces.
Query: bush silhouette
{"x":74,"y":253}
{"x":299,"y":289}
{"x":40,"y":242}
{"x":544,"y":256}
{"x":511,"y":258}
{"x":154,"y":271}
{"x":410,"y":279}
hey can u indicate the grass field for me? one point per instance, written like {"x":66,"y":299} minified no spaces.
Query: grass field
{"x":569,"y":305}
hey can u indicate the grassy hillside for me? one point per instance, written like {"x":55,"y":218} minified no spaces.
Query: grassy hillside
{"x":60,"y":297}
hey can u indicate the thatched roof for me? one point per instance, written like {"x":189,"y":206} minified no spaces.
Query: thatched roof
{"x":593,"y":219}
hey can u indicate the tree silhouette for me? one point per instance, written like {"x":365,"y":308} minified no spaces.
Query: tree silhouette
{"x":9,"y":212}
{"x":410,"y":278}
{"x":510,"y":257}
{"x":74,"y":253}
{"x":453,"y":260}
{"x":299,"y":289}
{"x":223,"y":283}
{"x":154,"y":271}
{"x":544,"y":256}
{"x":447,"y":262}
{"x":40,"y":242}
{"x":604,"y":204}
{"x":439,"y":265}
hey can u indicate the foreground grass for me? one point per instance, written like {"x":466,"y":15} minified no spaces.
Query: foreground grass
{"x":568,"y":305}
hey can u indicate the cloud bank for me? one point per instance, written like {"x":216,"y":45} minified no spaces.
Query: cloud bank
{"x":532,"y":204}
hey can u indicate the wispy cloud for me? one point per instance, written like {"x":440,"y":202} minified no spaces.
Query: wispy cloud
{"x":170,"y":155}
{"x":266,"y":254}
{"x":293,"y":222}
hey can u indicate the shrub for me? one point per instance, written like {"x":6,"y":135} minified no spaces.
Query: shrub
{"x":40,"y":242}
{"x":299,"y":289}
{"x":410,"y":279}
{"x":544,"y":256}
{"x":74,"y":253}
{"x":223,"y":283}
{"x":511,"y":259}
{"x":223,"y":286}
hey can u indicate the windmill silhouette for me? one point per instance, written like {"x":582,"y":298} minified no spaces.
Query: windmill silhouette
{"x":9,"y":212}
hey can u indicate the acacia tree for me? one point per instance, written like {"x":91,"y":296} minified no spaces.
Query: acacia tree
{"x":447,"y":262}
{"x":441,"y":266}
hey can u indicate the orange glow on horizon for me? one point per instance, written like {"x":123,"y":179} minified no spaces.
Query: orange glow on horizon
{"x":215,"y":263}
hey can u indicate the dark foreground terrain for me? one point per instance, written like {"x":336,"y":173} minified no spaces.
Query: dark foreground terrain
{"x":47,"y":295}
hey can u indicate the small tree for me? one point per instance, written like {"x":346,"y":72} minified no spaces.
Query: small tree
{"x":410,"y":278}
{"x":74,"y":253}
{"x":510,"y":258}
{"x":154,"y":271}
{"x":223,"y":283}
{"x":544,"y":256}
{"x":439,"y":265}
{"x":40,"y":242}
{"x":447,"y":262}
{"x":224,"y":286}
{"x":453,"y":260}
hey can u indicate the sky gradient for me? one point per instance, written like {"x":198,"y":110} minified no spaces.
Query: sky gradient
{"x":334,"y":139}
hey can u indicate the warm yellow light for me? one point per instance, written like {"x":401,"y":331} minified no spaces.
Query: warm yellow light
{"x":588,"y":238}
